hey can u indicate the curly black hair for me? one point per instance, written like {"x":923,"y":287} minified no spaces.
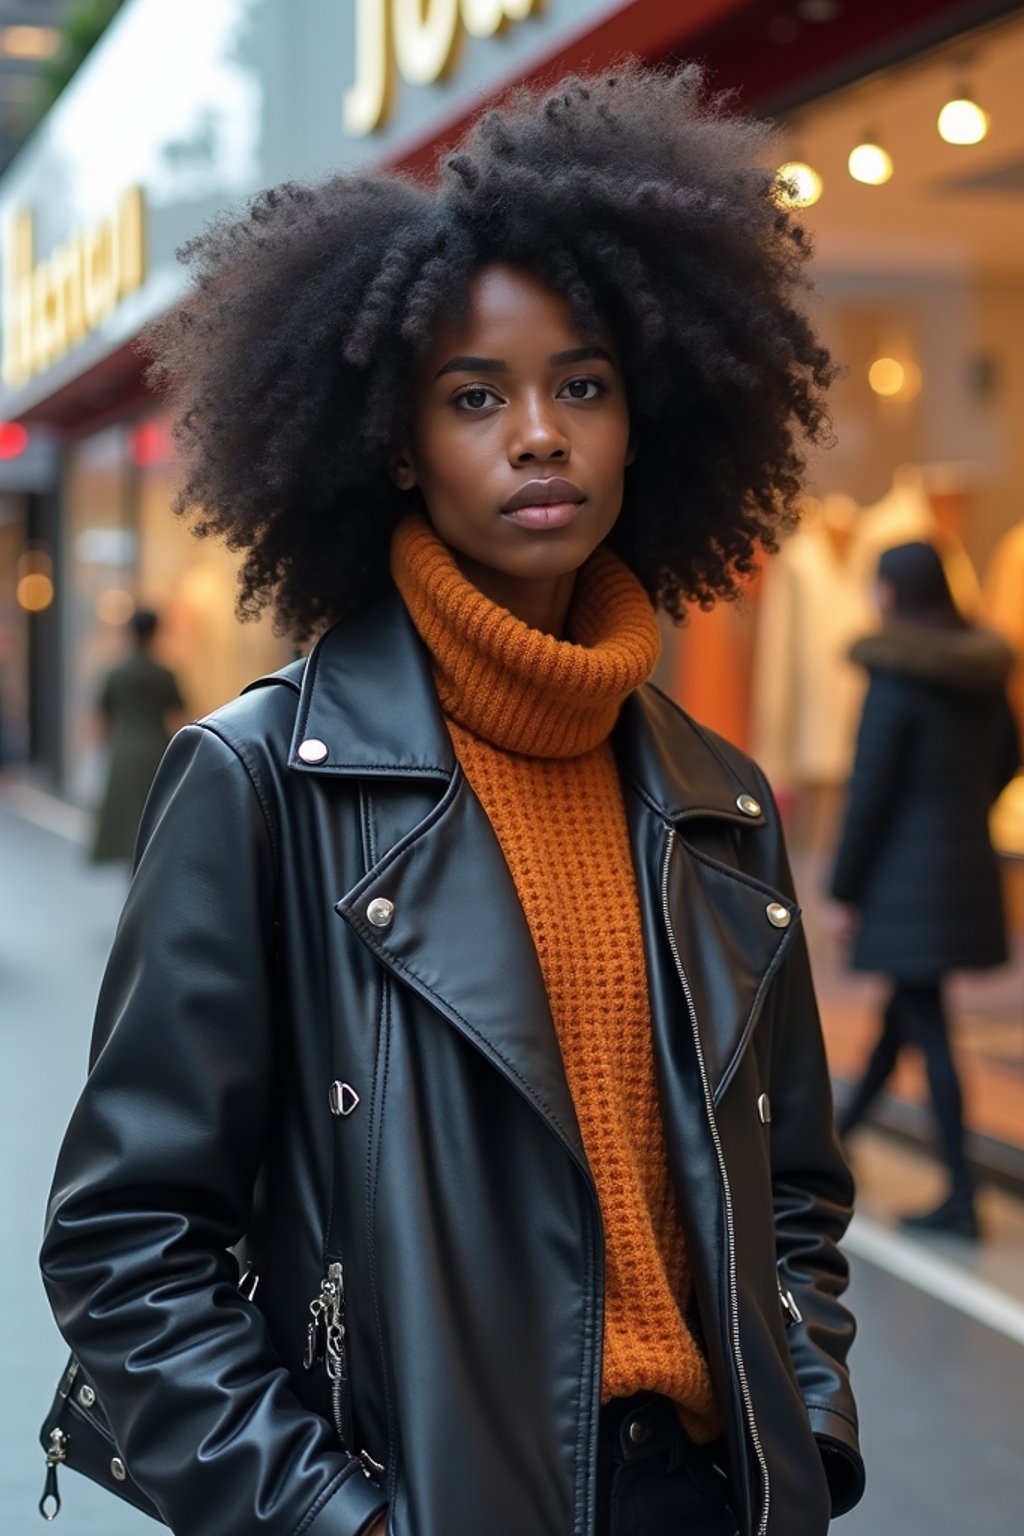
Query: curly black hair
{"x":638,"y":194}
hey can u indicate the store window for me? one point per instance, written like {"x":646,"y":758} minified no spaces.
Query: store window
{"x":191,"y":583}
{"x":127,"y":549}
{"x":100,"y":561}
{"x":919,"y":276}
{"x":919,"y":294}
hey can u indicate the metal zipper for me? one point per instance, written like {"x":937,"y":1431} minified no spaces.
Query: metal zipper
{"x":49,"y":1504}
{"x":730,"y":1226}
{"x":326,"y":1344}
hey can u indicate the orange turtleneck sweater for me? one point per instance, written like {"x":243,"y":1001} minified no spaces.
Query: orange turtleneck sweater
{"x":530,"y":717}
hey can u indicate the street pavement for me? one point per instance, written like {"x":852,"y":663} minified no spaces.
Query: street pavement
{"x":939,"y":1387}
{"x":56,"y":919}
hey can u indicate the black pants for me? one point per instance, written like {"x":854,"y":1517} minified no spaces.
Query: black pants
{"x":915,"y":1016}
{"x":652,"y":1480}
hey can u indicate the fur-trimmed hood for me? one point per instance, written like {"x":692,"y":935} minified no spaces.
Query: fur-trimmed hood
{"x":969,"y":660}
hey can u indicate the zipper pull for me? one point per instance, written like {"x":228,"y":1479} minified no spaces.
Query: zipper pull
{"x":313,"y":1352}
{"x":49,"y":1504}
{"x":789,"y":1306}
{"x":334,"y":1329}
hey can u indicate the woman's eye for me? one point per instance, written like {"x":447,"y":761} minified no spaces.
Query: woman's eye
{"x":582,"y":389}
{"x":475,"y":399}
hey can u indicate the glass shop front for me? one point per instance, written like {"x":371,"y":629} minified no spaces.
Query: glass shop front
{"x":916,"y":208}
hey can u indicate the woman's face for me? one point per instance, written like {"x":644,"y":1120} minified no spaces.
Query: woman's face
{"x":520,"y":443}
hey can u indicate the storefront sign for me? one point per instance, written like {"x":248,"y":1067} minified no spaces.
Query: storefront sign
{"x":53,"y":304}
{"x":420,"y":38}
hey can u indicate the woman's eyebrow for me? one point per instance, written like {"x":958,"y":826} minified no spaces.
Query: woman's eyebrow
{"x":472,"y":365}
{"x":499,"y":365}
{"x":580,"y":355}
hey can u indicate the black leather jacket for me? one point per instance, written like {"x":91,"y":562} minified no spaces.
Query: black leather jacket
{"x":373,"y":1097}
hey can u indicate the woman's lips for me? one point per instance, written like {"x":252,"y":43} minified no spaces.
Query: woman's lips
{"x":551,"y":514}
{"x":548,"y":503}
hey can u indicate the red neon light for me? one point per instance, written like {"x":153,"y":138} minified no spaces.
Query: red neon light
{"x":151,"y":443}
{"x":13,"y":439}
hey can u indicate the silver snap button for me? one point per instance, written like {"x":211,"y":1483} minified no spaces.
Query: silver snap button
{"x":380,"y":912}
{"x":764,"y":1109}
{"x":86,"y":1396}
{"x":118,"y":1469}
{"x":639,"y":1429}
{"x":778,"y":915}
{"x":313,"y":750}
{"x":748,"y":805}
{"x":343,"y":1098}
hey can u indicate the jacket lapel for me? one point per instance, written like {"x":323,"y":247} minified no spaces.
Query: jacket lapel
{"x":458,"y":937}
{"x":455,"y":933}
{"x":718,"y":918}
{"x":728,"y":949}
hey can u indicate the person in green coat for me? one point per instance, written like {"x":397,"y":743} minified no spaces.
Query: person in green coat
{"x":139,"y":705}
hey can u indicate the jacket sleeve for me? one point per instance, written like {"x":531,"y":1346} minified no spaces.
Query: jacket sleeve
{"x":155,"y":1179}
{"x":886,"y":727}
{"x":812,"y":1195}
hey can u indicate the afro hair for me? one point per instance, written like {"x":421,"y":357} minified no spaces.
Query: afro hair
{"x":640,"y":196}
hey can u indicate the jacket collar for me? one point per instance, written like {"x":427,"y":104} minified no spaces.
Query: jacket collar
{"x":368,"y":708}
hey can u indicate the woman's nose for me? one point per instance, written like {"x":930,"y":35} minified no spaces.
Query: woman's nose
{"x":537,"y":435}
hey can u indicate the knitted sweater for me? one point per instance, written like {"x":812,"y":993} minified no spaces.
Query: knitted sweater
{"x":530,"y":717}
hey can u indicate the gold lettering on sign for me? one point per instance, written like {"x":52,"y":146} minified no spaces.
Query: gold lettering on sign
{"x":52,"y":305}
{"x":419,"y":39}
{"x":485,"y":18}
{"x":368,"y":102}
{"x":426,"y":37}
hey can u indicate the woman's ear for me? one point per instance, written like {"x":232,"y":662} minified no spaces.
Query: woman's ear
{"x":631,"y":452}
{"x":402,"y":470}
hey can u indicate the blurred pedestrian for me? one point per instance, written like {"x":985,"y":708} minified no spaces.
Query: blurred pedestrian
{"x":460,"y":975}
{"x":916,"y":880}
{"x":139,"y":706}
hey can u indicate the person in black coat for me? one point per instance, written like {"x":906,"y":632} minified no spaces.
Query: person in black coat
{"x":419,"y":411}
{"x":916,"y":883}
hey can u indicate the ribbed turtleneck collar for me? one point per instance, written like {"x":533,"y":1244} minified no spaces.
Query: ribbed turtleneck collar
{"x":517,"y":687}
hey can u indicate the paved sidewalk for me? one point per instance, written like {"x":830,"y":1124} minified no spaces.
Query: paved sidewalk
{"x":56,"y":920}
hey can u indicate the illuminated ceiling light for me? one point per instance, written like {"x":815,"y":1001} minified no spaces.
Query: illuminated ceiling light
{"x":797,"y":184}
{"x":28,"y":42}
{"x":894,"y":380}
{"x":114,"y":606}
{"x":962,"y":121}
{"x":34,"y":589}
{"x":870,"y":164}
{"x":34,"y":592}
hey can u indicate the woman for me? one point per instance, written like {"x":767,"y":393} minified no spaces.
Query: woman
{"x":461,"y":973}
{"x":915,"y":876}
